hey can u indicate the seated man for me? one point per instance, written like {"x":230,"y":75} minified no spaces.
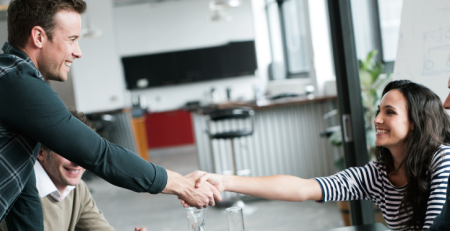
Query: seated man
{"x":66,"y":201}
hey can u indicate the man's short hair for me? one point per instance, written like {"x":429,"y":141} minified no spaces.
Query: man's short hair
{"x":23,"y":15}
{"x":79,"y":115}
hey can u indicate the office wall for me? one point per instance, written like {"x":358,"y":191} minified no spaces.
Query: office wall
{"x":3,"y":32}
{"x":98,"y":81}
{"x":179,"y":25}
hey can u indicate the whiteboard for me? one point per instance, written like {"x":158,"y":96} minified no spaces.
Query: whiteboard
{"x":423,"y":54}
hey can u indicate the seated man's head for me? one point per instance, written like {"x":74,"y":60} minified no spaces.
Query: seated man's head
{"x":61,"y":171}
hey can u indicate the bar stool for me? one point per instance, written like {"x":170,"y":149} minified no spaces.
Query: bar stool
{"x":245,"y":114}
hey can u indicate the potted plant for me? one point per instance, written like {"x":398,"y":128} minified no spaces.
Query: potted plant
{"x":372,"y":83}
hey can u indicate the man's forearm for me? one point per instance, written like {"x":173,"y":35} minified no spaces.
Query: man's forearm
{"x":175,"y":183}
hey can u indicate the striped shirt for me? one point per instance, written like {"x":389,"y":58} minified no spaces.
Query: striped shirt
{"x":372,"y":183}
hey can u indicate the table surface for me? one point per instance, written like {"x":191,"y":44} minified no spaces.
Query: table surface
{"x":371,"y":227}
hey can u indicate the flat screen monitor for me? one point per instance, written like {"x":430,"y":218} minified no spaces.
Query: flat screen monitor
{"x":233,"y":59}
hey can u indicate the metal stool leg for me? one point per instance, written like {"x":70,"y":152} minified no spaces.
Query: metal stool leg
{"x":246,"y":209}
{"x":211,"y":151}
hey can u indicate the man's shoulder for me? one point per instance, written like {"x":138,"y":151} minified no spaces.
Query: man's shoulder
{"x":82,"y":184}
{"x":82,"y":189}
{"x":13,"y":64}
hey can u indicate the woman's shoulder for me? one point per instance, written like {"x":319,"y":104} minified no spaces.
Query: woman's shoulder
{"x":377,"y":167}
{"x":445,"y":147}
{"x":444,"y":151}
{"x":441,"y":156}
{"x":376,"y":164}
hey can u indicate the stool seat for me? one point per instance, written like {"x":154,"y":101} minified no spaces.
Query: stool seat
{"x":231,"y":113}
{"x":232,"y":134}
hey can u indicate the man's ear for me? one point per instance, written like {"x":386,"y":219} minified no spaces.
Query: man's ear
{"x":42,"y":154}
{"x":38,"y":36}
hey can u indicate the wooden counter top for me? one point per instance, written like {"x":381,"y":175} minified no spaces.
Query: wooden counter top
{"x":275,"y":103}
{"x":262,"y":105}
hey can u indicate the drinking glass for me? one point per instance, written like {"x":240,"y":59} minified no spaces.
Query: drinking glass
{"x":235,"y":219}
{"x":196,"y":218}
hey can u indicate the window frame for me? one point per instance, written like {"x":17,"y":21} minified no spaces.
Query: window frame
{"x":388,"y":65}
{"x":305,"y":75}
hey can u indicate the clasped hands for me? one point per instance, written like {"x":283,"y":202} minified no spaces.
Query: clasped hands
{"x":206,"y":181}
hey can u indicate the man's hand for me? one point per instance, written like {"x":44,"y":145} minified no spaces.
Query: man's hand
{"x":141,"y":229}
{"x":184,"y":188}
{"x":205,"y":178}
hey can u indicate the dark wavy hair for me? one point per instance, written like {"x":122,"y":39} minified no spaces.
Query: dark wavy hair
{"x":431,"y":129}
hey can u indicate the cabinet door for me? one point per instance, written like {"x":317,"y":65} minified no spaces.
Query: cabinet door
{"x":167,"y":129}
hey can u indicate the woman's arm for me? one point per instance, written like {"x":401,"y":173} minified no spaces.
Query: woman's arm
{"x":277,"y":187}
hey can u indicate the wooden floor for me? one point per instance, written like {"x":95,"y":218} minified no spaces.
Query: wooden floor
{"x":125,"y":209}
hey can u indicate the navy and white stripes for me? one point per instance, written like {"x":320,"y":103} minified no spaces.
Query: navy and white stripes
{"x":371,"y":183}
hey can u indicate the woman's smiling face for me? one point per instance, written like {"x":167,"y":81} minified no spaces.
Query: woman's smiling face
{"x":392,"y":122}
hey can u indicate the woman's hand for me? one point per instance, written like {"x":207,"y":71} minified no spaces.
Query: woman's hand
{"x":213,"y":179}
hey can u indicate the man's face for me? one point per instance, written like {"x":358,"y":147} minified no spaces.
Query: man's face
{"x":57,"y":55}
{"x":447,"y":101}
{"x":62,"y":171}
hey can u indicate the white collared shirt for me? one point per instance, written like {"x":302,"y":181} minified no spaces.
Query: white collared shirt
{"x":45,"y":185}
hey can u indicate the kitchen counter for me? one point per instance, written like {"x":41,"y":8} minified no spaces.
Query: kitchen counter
{"x":265,"y":104}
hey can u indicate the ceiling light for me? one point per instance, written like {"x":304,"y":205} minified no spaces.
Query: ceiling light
{"x":218,"y":8}
{"x":90,"y":32}
{"x":220,"y":16}
{"x":234,"y":3}
{"x":223,"y":4}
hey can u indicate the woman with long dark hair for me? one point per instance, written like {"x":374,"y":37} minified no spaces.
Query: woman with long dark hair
{"x":408,"y":180}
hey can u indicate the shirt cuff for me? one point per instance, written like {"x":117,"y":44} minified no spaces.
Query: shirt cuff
{"x":323,"y":190}
{"x":160,"y":181}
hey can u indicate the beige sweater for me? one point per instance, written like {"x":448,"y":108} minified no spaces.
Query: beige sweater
{"x":77,"y":211}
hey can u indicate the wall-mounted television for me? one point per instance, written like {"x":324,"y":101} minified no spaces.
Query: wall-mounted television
{"x":233,"y":59}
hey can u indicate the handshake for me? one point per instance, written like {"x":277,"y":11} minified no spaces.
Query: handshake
{"x":200,"y":189}
{"x":197,"y":189}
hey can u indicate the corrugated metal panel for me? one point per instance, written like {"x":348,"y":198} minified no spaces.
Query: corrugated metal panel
{"x":286,"y":141}
{"x":122,"y":134}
